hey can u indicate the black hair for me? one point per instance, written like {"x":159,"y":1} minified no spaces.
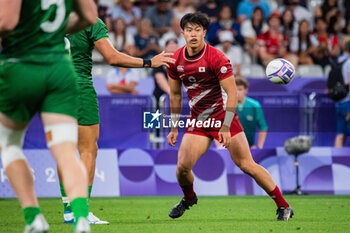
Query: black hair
{"x":197,"y":18}
{"x":258,"y":8}
{"x":308,"y":40}
{"x":171,"y":40}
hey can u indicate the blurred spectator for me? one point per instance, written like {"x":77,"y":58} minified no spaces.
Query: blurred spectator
{"x":232,"y":4}
{"x":252,"y":28}
{"x":299,"y":11}
{"x":160,"y":16}
{"x":174,"y":33}
{"x":121,"y":40}
{"x":304,"y":44}
{"x":146,"y":42}
{"x":122,"y":80}
{"x":210,"y":8}
{"x":343,"y":106}
{"x":287,"y":2}
{"x":160,"y":73}
{"x":347,"y":9}
{"x":128,"y":13}
{"x":273,"y":43}
{"x":346,"y":34}
{"x":246,"y":8}
{"x":330,"y":12}
{"x":183,"y":7}
{"x":102,"y":11}
{"x":250,"y":115}
{"x":328,"y":47}
{"x":289,"y":25}
{"x":225,"y":22}
{"x":233,"y":53}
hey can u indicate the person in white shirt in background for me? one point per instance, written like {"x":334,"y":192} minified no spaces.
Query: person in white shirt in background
{"x":174,"y":33}
{"x":128,"y":12}
{"x":232,"y":52}
{"x":122,"y":80}
{"x":121,"y":40}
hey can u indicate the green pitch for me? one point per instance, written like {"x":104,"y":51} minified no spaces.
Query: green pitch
{"x":317,"y":214}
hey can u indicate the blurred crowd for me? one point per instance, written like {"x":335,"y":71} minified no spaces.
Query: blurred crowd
{"x":257,"y":31}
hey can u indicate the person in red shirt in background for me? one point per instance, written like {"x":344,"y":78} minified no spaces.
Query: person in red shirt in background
{"x":328,"y":43}
{"x":273,"y":43}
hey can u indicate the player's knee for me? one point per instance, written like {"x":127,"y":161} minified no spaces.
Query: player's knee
{"x":11,"y":142}
{"x":60,"y":133}
{"x":246,"y":167}
{"x":183,"y":169}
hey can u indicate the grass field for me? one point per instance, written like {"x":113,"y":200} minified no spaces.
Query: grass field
{"x":317,"y":214}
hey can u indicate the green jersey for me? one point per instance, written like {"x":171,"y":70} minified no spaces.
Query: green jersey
{"x":81,"y":46}
{"x":40,"y":31}
{"x":251,"y":116}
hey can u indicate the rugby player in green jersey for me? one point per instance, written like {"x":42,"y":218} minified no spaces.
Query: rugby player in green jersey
{"x":37,"y":75}
{"x":81,"y":46}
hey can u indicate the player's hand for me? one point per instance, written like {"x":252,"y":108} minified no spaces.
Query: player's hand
{"x":225,"y":136}
{"x":172,"y":137}
{"x":162,"y":59}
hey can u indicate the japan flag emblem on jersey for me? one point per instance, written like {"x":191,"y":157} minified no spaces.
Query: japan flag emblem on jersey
{"x":201,"y":69}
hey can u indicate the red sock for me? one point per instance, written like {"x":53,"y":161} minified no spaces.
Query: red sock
{"x":188,"y":191}
{"x":276,"y":195}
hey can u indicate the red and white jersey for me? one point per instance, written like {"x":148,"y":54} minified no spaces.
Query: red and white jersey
{"x":201,"y":77}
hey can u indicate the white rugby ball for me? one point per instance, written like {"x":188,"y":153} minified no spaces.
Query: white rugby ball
{"x":280,"y":71}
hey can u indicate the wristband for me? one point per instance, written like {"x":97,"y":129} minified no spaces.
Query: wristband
{"x":228,"y":118}
{"x":175,"y":117}
{"x":147,"y":63}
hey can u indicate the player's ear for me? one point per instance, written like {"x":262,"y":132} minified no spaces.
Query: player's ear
{"x":205,"y":32}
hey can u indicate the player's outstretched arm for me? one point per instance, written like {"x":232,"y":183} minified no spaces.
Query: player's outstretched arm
{"x":84,"y":15}
{"x":175,"y":108}
{"x":229,"y":86}
{"x":9,"y":15}
{"x":116,"y":58}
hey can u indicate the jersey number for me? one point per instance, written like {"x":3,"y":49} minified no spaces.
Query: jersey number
{"x":51,"y":26}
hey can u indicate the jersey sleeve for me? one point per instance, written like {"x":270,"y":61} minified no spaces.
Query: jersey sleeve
{"x":221,"y":65}
{"x":171,"y":70}
{"x":99,"y":31}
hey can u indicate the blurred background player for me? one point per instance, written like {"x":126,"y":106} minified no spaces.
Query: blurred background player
{"x":81,"y":46}
{"x":250,"y":115}
{"x":36,"y":75}
{"x":343,"y":106}
{"x":205,"y":72}
{"x":161,"y":85}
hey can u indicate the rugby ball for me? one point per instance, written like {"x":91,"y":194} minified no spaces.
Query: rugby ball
{"x":280,"y":71}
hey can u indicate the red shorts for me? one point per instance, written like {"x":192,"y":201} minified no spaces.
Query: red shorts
{"x":213,"y":132}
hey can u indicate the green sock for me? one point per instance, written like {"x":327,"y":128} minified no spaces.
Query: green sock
{"x":30,"y":213}
{"x":89,"y":189}
{"x":80,"y":208}
{"x":66,"y":203}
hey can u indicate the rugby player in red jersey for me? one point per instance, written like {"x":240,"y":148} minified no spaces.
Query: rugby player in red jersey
{"x":208,"y":78}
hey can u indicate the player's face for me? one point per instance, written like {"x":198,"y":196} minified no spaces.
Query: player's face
{"x":241,"y":92}
{"x":194,"y":35}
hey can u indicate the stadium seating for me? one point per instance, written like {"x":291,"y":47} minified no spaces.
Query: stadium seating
{"x":314,"y":71}
{"x":252,"y":71}
{"x":101,"y":70}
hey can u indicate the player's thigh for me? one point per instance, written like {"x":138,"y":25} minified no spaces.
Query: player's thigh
{"x":22,"y":89}
{"x":88,"y":136}
{"x":88,"y":113}
{"x":239,"y":150}
{"x":191,"y":149}
{"x":62,"y":93}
